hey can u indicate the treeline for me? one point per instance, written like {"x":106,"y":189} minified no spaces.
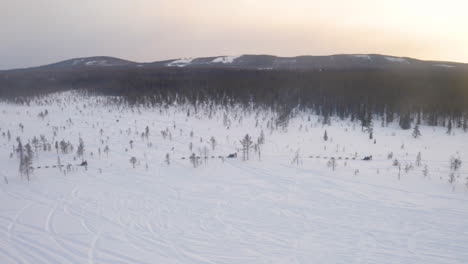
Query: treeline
{"x":434,"y":96}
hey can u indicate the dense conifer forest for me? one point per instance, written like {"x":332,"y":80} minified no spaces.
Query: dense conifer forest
{"x":434,"y":97}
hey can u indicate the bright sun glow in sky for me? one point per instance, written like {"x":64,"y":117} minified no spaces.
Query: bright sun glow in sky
{"x":39,"y":32}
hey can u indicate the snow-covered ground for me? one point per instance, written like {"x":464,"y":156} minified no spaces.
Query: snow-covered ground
{"x":265,"y":210}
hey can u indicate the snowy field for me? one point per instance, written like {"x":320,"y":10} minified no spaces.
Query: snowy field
{"x":286,"y":205}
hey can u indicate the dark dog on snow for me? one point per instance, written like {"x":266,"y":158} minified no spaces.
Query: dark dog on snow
{"x":232,"y":155}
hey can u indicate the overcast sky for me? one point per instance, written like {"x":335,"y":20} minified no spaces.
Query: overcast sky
{"x":36,"y":32}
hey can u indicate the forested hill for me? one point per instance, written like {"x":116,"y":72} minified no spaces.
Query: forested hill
{"x":405,"y":89}
{"x":262,"y":62}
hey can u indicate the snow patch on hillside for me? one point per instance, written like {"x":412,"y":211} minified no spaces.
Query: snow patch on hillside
{"x":443,"y":65}
{"x":283,"y":61}
{"x":225,"y":59}
{"x":362,"y":56}
{"x":92,"y":62}
{"x":98,"y":63}
{"x":396,"y":59}
{"x":180,"y":62}
{"x":78,"y":61}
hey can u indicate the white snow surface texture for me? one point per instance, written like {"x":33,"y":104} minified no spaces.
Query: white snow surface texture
{"x":231,"y":211}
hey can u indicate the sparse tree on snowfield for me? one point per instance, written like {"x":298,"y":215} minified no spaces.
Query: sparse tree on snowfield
{"x":20,"y":151}
{"x":205,"y":152}
{"x":325,"y":136}
{"x":246,"y":143}
{"x":43,"y":140}
{"x":451,"y":178}
{"x":416,"y":132}
{"x":81,"y":148}
{"x":425,"y":171}
{"x":408,"y":167}
{"x":147,"y":132}
{"x":418,"y":159}
{"x":296,"y":158}
{"x":390,"y":155}
{"x":59,"y":163}
{"x":27,"y":161}
{"x":131,"y":144}
{"x":164,"y":134}
{"x":259,"y":150}
{"x":64,"y":147}
{"x":106,"y":150}
{"x":455,"y":164}
{"x":194,"y":160}
{"x":168,"y":159}
{"x":399,"y":171}
{"x":261,"y":138}
{"x":332,"y":163}
{"x":35,"y":142}
{"x":133,"y":161}
{"x":213,"y":143}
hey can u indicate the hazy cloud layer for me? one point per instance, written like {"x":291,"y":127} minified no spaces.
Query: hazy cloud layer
{"x":34,"y":32}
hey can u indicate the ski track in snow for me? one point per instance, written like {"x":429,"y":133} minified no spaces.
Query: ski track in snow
{"x":229,"y":211}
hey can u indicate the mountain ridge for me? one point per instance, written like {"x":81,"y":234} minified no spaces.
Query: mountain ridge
{"x":257,"y":61}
